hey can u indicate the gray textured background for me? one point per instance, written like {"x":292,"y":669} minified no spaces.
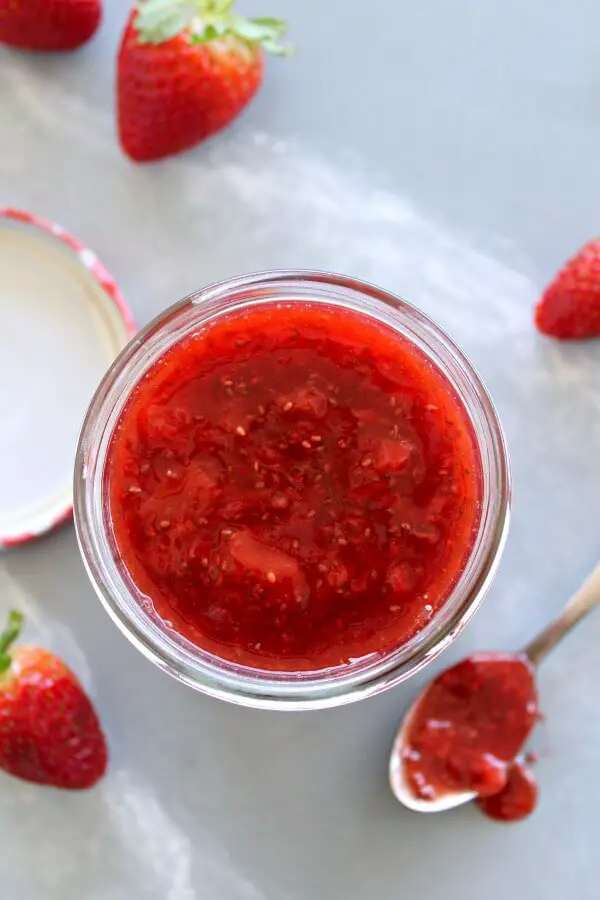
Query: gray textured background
{"x":447,"y":150}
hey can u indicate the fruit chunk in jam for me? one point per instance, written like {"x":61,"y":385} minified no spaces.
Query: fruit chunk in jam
{"x":294,"y":487}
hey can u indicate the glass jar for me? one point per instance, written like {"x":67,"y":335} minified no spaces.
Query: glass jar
{"x":133,"y":612}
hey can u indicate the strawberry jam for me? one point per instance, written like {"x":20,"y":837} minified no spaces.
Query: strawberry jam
{"x":467,"y":730}
{"x":294,"y":487}
{"x":518,"y":797}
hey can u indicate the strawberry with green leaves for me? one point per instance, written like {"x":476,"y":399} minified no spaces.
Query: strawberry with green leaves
{"x":186,"y":69}
{"x":49,"y":730}
{"x":570,"y":306}
{"x":48,"y":24}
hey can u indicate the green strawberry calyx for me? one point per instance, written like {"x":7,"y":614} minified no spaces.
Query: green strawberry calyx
{"x":8,"y":637}
{"x":205,"y":21}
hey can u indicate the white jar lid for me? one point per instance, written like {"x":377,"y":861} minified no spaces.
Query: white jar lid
{"x":62,"y":322}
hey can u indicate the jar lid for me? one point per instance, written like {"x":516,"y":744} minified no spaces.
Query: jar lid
{"x":62,"y":322}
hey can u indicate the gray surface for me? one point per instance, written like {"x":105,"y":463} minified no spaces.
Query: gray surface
{"x":449,"y":151}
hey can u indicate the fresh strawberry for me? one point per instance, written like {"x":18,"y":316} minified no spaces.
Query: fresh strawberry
{"x":48,"y":24}
{"x":186,"y":69}
{"x":570,"y":307}
{"x":49,"y":730}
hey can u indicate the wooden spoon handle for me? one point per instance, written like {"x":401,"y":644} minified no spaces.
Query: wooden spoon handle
{"x":580,"y":604}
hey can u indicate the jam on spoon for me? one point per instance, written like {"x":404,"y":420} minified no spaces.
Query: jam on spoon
{"x":463,"y":737}
{"x":469,"y":726}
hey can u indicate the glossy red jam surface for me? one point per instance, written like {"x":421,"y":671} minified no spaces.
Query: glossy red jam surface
{"x":469,"y":727}
{"x":294,"y":487}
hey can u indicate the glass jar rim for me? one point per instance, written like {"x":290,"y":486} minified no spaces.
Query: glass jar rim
{"x":201,"y":669}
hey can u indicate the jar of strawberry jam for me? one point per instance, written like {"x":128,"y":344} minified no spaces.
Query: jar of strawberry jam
{"x":291,"y":490}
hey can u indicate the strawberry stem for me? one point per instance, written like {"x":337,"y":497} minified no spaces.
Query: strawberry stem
{"x":8,"y":637}
{"x":157,"y":21}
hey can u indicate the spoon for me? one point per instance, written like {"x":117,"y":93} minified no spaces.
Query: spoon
{"x":580,"y":604}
